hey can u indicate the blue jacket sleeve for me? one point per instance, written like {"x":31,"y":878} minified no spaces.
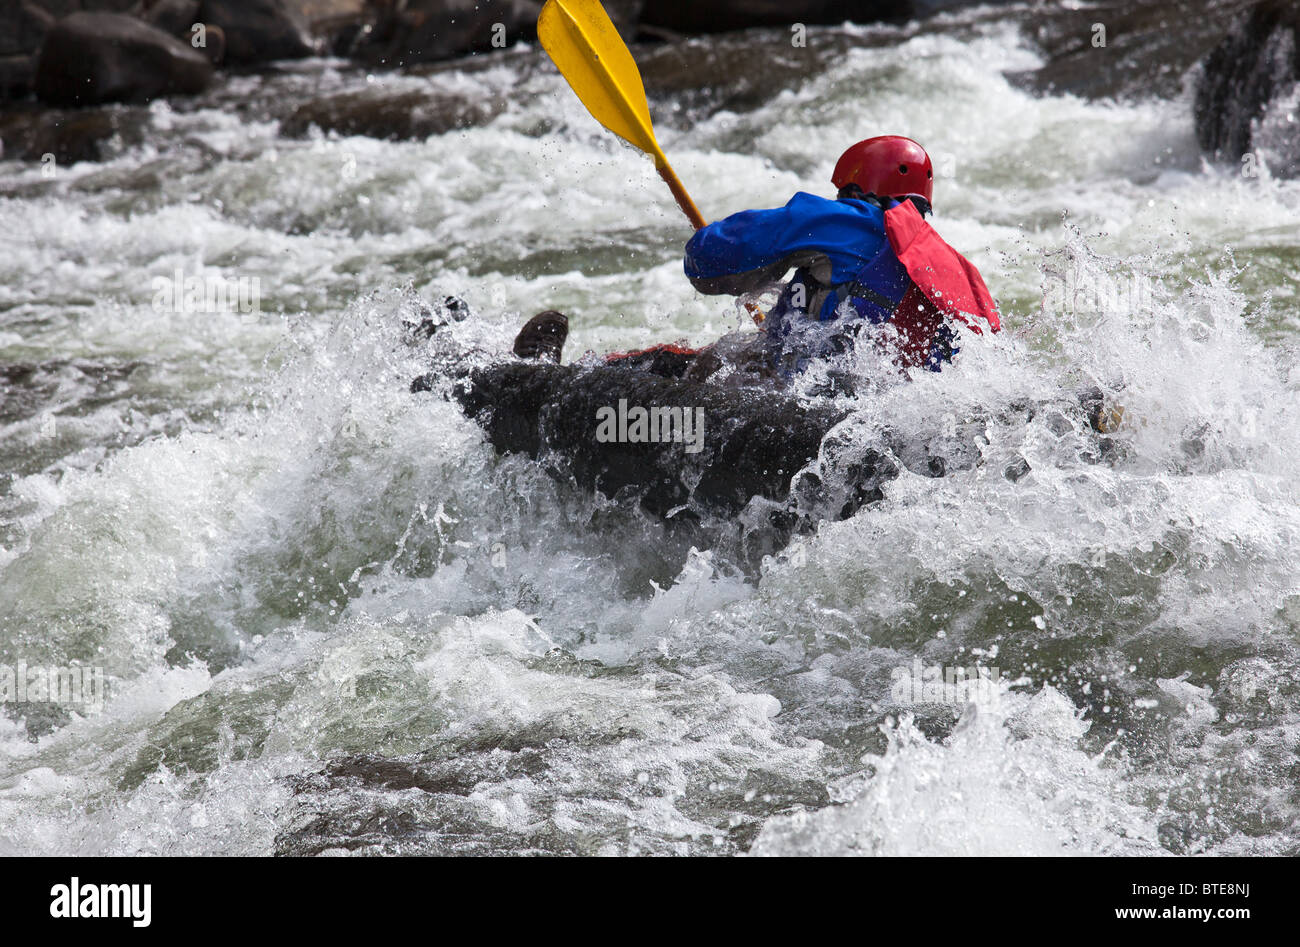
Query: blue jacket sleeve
{"x":747,"y":250}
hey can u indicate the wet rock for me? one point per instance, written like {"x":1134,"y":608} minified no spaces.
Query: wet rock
{"x":337,"y":25}
{"x":258,"y":30}
{"x":1146,"y":49}
{"x":692,"y":16}
{"x":378,"y":113}
{"x":23,"y":24}
{"x":172,"y":16}
{"x":1247,"y":104}
{"x":431,"y":30}
{"x":30,"y":133}
{"x":213,"y":44}
{"x":28,"y":389}
{"x":626,"y":16}
{"x":703,"y":75}
{"x":16,"y":76}
{"x":1016,"y":469}
{"x":89,"y":58}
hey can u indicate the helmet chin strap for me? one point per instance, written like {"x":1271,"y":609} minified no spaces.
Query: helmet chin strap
{"x":855,"y":193}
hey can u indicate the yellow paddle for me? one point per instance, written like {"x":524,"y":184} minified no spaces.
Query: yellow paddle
{"x":592,"y":57}
{"x":594,"y":60}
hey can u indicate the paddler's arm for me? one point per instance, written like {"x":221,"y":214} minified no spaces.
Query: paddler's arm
{"x":748,"y":251}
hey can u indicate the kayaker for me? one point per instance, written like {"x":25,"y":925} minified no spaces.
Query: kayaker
{"x":865,"y":259}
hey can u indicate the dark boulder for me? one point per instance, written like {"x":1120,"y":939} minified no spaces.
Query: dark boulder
{"x":30,"y":132}
{"x":431,"y":30}
{"x":716,"y":16}
{"x":16,"y":76}
{"x":24,"y":23}
{"x":379,"y":113}
{"x":23,"y":27}
{"x":626,"y":16}
{"x":336,"y":26}
{"x":173,"y":16}
{"x":258,"y":30}
{"x":701,"y":76}
{"x":1146,"y":51}
{"x":1249,"y":91}
{"x":88,"y":58}
{"x":214,"y":44}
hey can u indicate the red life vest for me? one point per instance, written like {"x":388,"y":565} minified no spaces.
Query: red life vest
{"x":945,"y":278}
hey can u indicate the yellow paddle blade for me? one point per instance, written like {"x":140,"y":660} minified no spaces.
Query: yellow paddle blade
{"x":581,"y":40}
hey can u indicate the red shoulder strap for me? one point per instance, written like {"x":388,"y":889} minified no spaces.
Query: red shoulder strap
{"x":673,"y":348}
{"x":949,"y":279}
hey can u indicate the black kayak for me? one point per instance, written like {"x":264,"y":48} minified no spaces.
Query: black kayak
{"x":750,"y":449}
{"x":763,"y":450}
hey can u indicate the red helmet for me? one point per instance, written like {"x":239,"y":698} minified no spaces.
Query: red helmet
{"x":887,"y":166}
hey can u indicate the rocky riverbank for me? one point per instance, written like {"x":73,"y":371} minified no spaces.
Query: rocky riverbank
{"x":69,"y":41}
{"x":75,"y":74}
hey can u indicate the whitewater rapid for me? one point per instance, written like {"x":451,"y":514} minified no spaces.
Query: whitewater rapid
{"x":331,"y":620}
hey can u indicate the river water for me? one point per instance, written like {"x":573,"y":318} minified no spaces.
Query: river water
{"x":330,"y":620}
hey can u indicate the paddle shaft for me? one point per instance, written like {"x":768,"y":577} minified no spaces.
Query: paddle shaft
{"x":693,"y":214}
{"x":679,"y":193}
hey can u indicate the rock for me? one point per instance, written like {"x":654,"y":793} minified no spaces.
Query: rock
{"x":29,"y":133}
{"x":1149,"y":45}
{"x":378,"y":113}
{"x":316,"y":11}
{"x":23,"y":24}
{"x":431,"y":30}
{"x":702,"y":75}
{"x":345,"y":37}
{"x":336,"y":25}
{"x":173,"y":16}
{"x":88,"y":58}
{"x":626,"y":15}
{"x":1248,"y":92}
{"x":258,"y":30}
{"x":16,"y":76}
{"x":214,"y":44}
{"x":716,"y":16}
{"x":206,"y":39}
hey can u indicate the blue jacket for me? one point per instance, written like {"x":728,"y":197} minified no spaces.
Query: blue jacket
{"x":838,"y":249}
